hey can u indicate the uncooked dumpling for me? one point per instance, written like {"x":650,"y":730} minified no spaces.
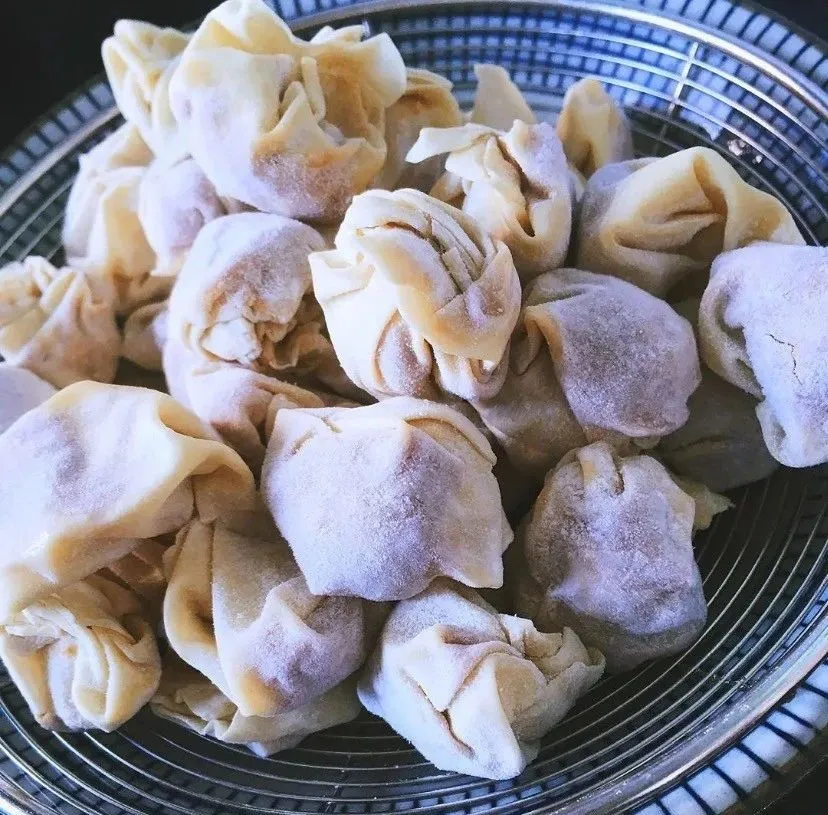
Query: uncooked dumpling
{"x":285,"y":125}
{"x":139,"y":59}
{"x":427,"y":102}
{"x":186,"y":697}
{"x":498,"y":102}
{"x":658,"y":222}
{"x":83,"y":657}
{"x":515,"y":185}
{"x":238,"y":610}
{"x":593,"y":127}
{"x":607,"y":549}
{"x":378,"y":501}
{"x":102,"y":232}
{"x":106,"y":467}
{"x":57,"y":323}
{"x":145,"y":335}
{"x":473,"y":690}
{"x":721,"y":443}
{"x":20,"y":391}
{"x":594,"y":358}
{"x":763,"y":326}
{"x":418,"y":299}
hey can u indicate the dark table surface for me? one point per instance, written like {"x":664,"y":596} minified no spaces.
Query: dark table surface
{"x":48,"y":48}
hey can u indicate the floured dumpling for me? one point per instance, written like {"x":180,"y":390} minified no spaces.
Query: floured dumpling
{"x":498,"y":102}
{"x":191,"y":700}
{"x":57,"y":323}
{"x":145,"y":335}
{"x":607,"y":549}
{"x":142,"y":572}
{"x":427,"y":102}
{"x":285,"y":125}
{"x":83,"y":657}
{"x":378,"y":501}
{"x":515,"y":185}
{"x":102,"y":232}
{"x":659,"y":222}
{"x":594,"y":358}
{"x":763,"y":326}
{"x":106,"y":467}
{"x":175,"y":201}
{"x":239,"y":611}
{"x":20,"y":391}
{"x":418,"y":299}
{"x":721,"y":443}
{"x":139,"y":59}
{"x":593,"y":127}
{"x":473,"y":690}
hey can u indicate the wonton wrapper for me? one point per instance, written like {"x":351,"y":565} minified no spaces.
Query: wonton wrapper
{"x":145,"y":335}
{"x":607,"y":549}
{"x":285,"y":125}
{"x":427,"y":102}
{"x":84,"y":657}
{"x":418,"y":300}
{"x":514,"y":185}
{"x":139,"y":59}
{"x":239,"y":611}
{"x":658,"y":222}
{"x":498,"y":102}
{"x":721,"y":443}
{"x":473,"y":690}
{"x":763,"y":326}
{"x":102,"y":232}
{"x":57,"y":323}
{"x":107,"y":467}
{"x":189,"y":699}
{"x":595,"y":358}
{"x":20,"y":392}
{"x":174,"y":202}
{"x":378,"y":501}
{"x":593,"y":127}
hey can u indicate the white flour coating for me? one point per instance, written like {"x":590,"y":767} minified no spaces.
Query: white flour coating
{"x":763,"y":326}
{"x":473,"y":690}
{"x":608,"y":551}
{"x":378,"y":501}
{"x":417,"y":299}
{"x":515,"y":185}
{"x":20,"y":391}
{"x":659,"y":223}
{"x":238,"y":610}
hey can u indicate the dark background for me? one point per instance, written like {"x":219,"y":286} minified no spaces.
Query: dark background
{"x":48,"y":48}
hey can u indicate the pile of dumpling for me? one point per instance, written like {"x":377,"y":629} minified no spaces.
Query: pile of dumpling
{"x":354,"y":324}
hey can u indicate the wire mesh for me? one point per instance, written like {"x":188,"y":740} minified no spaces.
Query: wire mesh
{"x":765,"y":563}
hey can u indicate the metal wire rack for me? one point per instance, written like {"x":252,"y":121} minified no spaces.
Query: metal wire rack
{"x":696,"y":72}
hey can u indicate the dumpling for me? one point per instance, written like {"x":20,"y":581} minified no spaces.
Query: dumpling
{"x":514,"y":184}
{"x":594,"y":358}
{"x":239,"y":611}
{"x":418,"y":299}
{"x":763,"y":326}
{"x":20,"y":391}
{"x":189,"y":699}
{"x":378,"y":501}
{"x":607,"y":549}
{"x":139,"y":59}
{"x":721,"y":443}
{"x":498,"y":102}
{"x":427,"y":102}
{"x":142,"y":572}
{"x":57,"y":323}
{"x":286,"y":126}
{"x":660,"y":222}
{"x":175,"y":201}
{"x":145,"y":335}
{"x":83,"y":657}
{"x":593,"y":127}
{"x":473,"y":690}
{"x":106,"y":467}
{"x":102,"y":232}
